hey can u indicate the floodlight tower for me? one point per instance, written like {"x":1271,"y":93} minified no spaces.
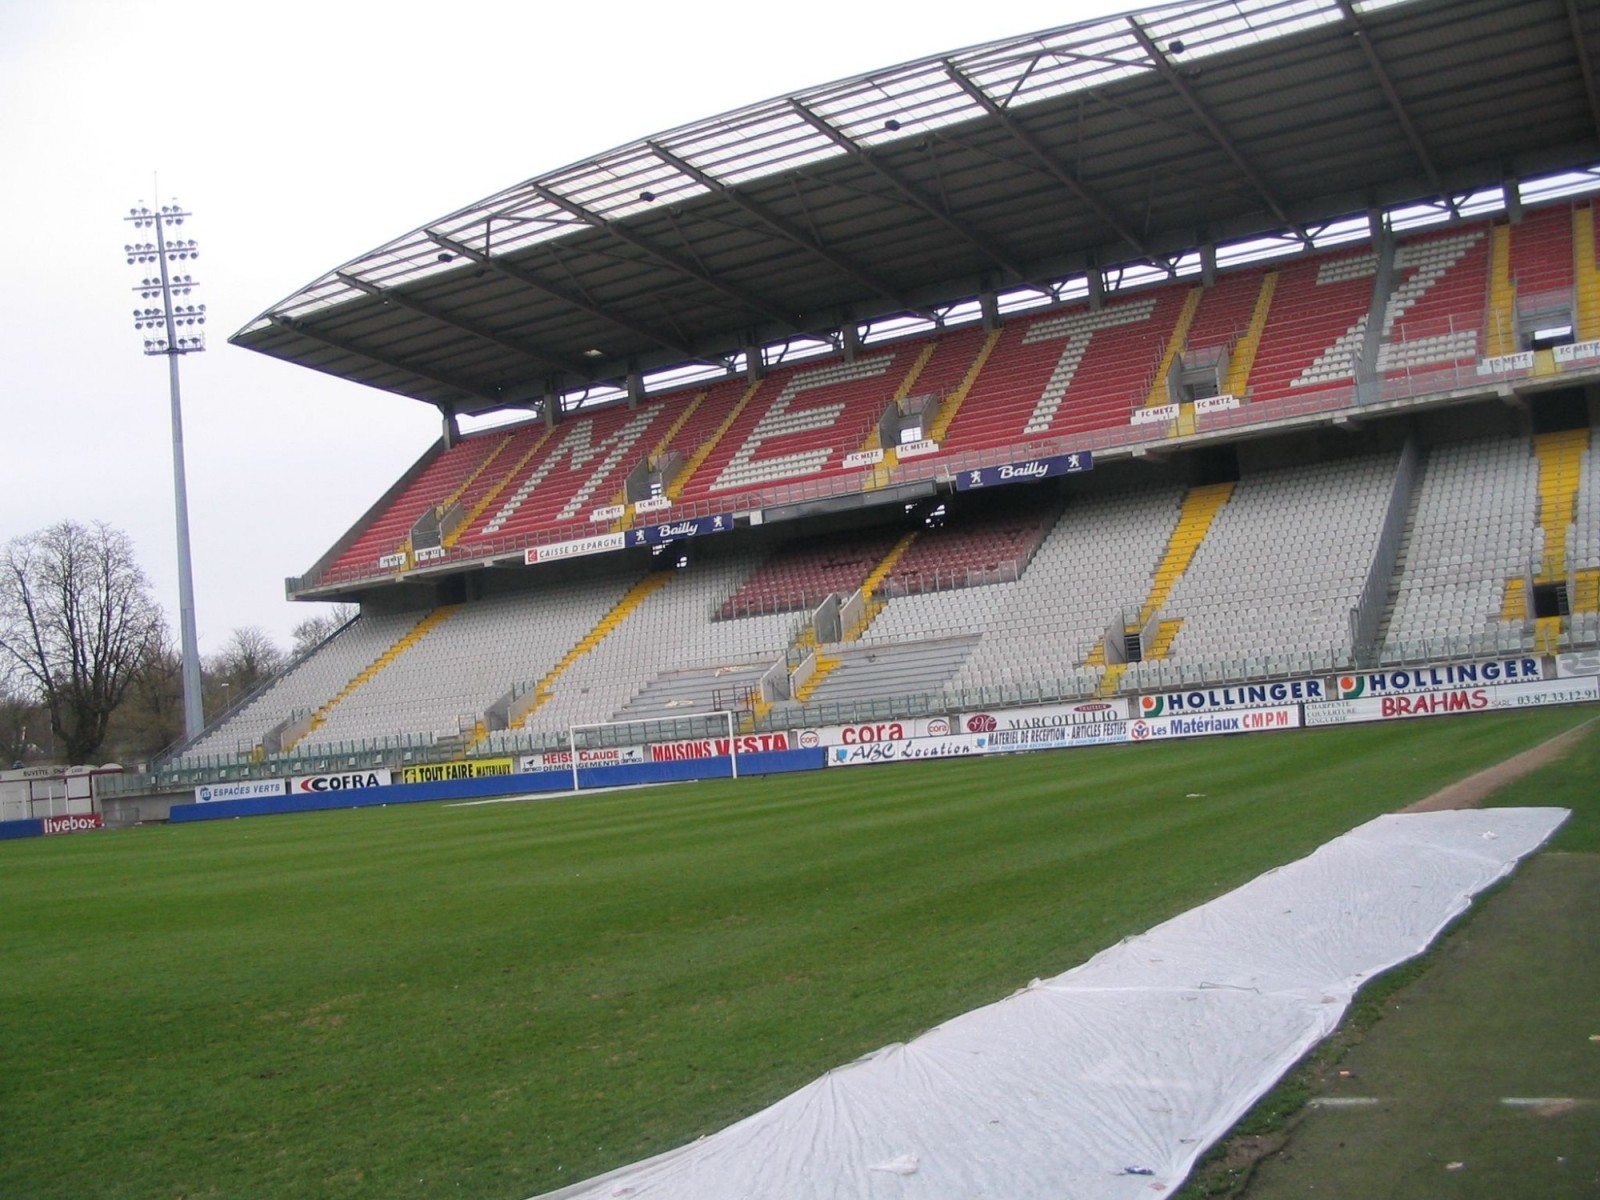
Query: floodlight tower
{"x":172,"y":330}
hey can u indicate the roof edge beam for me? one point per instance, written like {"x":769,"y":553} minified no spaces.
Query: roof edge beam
{"x":671,"y":261}
{"x":1581,"y":50}
{"x":528,"y":279}
{"x":546,"y":360}
{"x":911,"y":192}
{"x":1215,"y":130}
{"x":1386,"y":85}
{"x":476,"y":390}
{"x":780,"y":225}
{"x":1034,"y":146}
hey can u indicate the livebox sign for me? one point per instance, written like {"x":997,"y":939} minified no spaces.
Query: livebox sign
{"x":72,"y":823}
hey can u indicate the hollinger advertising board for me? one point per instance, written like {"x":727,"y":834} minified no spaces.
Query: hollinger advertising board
{"x":1488,"y":673}
{"x":1440,"y":702}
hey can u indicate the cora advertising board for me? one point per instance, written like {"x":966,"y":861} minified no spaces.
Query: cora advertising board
{"x":1230,"y":699}
{"x":871,"y":732}
{"x":1430,"y":679}
{"x":244,"y":789}
{"x":1534,"y":693}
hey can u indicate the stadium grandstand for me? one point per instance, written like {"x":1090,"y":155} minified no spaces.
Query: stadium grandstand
{"x":1222,"y":341}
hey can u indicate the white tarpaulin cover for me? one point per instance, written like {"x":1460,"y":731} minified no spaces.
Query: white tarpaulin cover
{"x":1110,"y":1080}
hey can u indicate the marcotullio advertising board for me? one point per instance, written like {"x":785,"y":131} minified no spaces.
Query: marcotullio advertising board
{"x":1043,"y":716}
{"x":1499,"y":698}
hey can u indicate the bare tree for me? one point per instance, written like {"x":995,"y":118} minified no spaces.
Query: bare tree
{"x":76,"y":621}
{"x":313,"y":631}
{"x":249,"y":657}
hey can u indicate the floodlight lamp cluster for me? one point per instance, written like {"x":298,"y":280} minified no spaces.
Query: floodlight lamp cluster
{"x":186,"y":343}
{"x":175,"y":250}
{"x":144,"y":218}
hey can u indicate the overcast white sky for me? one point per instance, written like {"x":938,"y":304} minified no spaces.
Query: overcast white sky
{"x":302,"y":134}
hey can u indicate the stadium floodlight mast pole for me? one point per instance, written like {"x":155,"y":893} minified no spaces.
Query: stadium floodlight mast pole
{"x":173,"y":330}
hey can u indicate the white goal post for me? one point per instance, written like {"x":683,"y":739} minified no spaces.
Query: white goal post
{"x":659,"y":728}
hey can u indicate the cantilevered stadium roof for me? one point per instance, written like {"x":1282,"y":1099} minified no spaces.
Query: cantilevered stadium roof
{"x":1124,"y":140}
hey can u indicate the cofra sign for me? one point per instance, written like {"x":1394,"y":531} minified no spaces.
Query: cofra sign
{"x":73,"y":823}
{"x":342,"y":781}
{"x":1428,"y":679}
{"x":754,"y":743}
{"x":1251,"y":695}
{"x":475,"y":768}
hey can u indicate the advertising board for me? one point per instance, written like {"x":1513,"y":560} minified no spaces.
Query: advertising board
{"x":1230,"y":699}
{"x":752,"y":743}
{"x":243,"y":789}
{"x":1027,"y":471}
{"x":561,"y":760}
{"x":908,"y":750}
{"x":1533,"y":693}
{"x":1427,"y":679}
{"x":466,"y":768}
{"x":338,"y":781}
{"x":1251,"y":720}
{"x":72,"y":823}
{"x":1077,"y":713}
{"x":872,"y":731}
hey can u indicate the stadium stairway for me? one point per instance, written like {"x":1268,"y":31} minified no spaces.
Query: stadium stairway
{"x":493,"y":492}
{"x":607,"y":625}
{"x":1502,"y":323}
{"x":1160,"y":390}
{"x":625,"y":521}
{"x":417,"y":632}
{"x":1586,"y":277}
{"x":882,"y":471}
{"x":1198,"y":511}
{"x":952,"y":405}
{"x":826,"y":664}
{"x":704,"y":451}
{"x":1245,"y":350}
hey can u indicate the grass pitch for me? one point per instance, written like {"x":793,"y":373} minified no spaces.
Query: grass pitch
{"x":494,"y":1001}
